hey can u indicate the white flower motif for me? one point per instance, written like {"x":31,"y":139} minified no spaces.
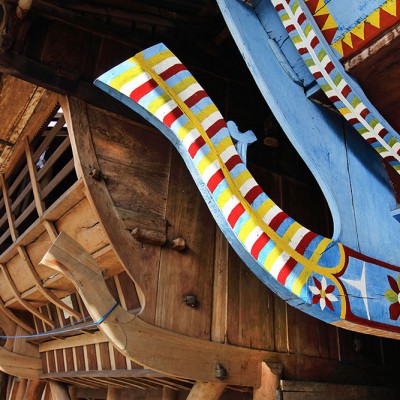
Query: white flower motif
{"x":322,"y":293}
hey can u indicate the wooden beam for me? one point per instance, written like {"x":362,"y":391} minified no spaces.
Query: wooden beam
{"x":59,"y":391}
{"x":269,"y":389}
{"x":19,"y":365}
{"x":34,"y":390}
{"x":23,"y":302}
{"x":208,"y":390}
{"x":143,"y":343}
{"x":47,"y":293}
{"x":169,"y":394}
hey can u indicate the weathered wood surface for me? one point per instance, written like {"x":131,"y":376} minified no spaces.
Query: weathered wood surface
{"x":18,"y":365}
{"x":269,"y":384}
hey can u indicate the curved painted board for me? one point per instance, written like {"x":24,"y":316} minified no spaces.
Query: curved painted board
{"x":313,"y":273}
{"x":339,"y":87}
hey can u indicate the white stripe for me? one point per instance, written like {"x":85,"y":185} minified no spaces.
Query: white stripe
{"x":278,"y":264}
{"x":211,"y":119}
{"x":190,"y":138}
{"x":130,"y":86}
{"x":189,"y":91}
{"x":298,"y":236}
{"x":252,"y":237}
{"x":210,"y":171}
{"x":165,"y":64}
{"x":247,"y":186}
{"x":271,"y":213}
{"x":166,"y":108}
{"x":228,"y":153}
{"x":229,"y":206}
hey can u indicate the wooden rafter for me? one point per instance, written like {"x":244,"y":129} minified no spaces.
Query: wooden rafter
{"x":23,"y":302}
{"x":14,"y":318}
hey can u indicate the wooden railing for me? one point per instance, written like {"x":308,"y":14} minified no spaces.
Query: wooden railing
{"x":45,"y":172}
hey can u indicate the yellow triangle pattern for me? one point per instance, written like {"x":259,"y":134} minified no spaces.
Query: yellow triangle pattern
{"x":329,"y":24}
{"x":390,"y":7}
{"x":347,"y":39}
{"x":359,"y":30}
{"x":338,"y":46}
{"x":374,"y":18}
{"x":321,"y":8}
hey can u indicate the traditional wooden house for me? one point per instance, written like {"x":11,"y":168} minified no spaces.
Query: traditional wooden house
{"x":116,"y":281}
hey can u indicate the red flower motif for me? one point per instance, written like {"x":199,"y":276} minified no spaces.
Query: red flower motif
{"x":393,"y":295}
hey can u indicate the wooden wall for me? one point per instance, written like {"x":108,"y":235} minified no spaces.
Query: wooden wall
{"x":233,"y":305}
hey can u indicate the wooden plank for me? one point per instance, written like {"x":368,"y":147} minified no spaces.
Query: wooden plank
{"x":220,"y":289}
{"x":210,"y":391}
{"x":40,"y":207}
{"x":269,"y":389}
{"x":7,"y":203}
{"x":92,"y":359}
{"x":127,"y":291}
{"x":189,"y":272}
{"x":59,"y":391}
{"x":132,"y":220}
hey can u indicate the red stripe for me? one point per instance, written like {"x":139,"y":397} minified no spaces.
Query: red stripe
{"x":329,"y":67}
{"x":195,"y":146}
{"x":286,"y":270}
{"x":171,"y":71}
{"x":259,"y":244}
{"x":314,"y":42}
{"x":334,"y":99}
{"x":277,"y":220}
{"x":371,"y":140}
{"x":253,"y":193}
{"x":142,"y":90}
{"x":301,"y":18}
{"x":215,"y":180}
{"x":235,"y":214}
{"x":279,"y":7}
{"x":303,"y":50}
{"x":195,"y":98}
{"x":290,"y":28}
{"x":317,"y":75}
{"x":172,"y":116}
{"x":389,"y":158}
{"x":354,"y":121}
{"x":305,"y":241}
{"x":346,"y":90}
{"x":215,"y":127}
{"x":382,"y":133}
{"x":364,"y":112}
{"x":232,"y":162}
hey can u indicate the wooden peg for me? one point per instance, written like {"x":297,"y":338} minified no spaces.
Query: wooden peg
{"x":148,"y":236}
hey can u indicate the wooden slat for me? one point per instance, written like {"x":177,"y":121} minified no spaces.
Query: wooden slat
{"x":53,"y":158}
{"x":40,"y":207}
{"x":69,"y":167}
{"x":7,"y":203}
{"x":23,"y":302}
{"x":209,"y":391}
{"x":46,"y":292}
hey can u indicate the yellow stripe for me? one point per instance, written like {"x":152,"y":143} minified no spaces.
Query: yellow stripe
{"x":293,"y":228}
{"x":284,"y":244}
{"x":265,"y":207}
{"x":205,"y":162}
{"x":246,"y":229}
{"x":301,"y":280}
{"x":203,"y":114}
{"x":184,"y":130}
{"x":126,"y":77}
{"x":272,"y":257}
{"x":157,"y":58}
{"x":224,"y":197}
{"x":158,"y":102}
{"x":183,"y":84}
{"x":242,"y":178}
{"x":223,"y":145}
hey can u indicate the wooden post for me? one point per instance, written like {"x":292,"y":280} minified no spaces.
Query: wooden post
{"x":59,"y":391}
{"x":113,"y":393}
{"x":34,"y":390}
{"x":21,"y":389}
{"x":270,"y":379}
{"x":206,"y":390}
{"x":169,"y":394}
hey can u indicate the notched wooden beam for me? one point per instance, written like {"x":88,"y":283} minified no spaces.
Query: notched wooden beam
{"x":145,"y":344}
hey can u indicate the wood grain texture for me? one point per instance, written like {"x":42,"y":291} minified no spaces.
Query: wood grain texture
{"x":189,"y":272}
{"x":210,"y":391}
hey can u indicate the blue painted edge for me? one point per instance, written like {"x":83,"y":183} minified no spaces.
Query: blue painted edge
{"x":263,"y":275}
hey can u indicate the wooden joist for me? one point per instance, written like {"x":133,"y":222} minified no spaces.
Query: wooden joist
{"x":19,"y":365}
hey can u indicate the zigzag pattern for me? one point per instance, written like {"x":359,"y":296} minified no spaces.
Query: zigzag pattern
{"x":323,"y":18}
{"x":332,"y":78}
{"x":368,"y":29}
